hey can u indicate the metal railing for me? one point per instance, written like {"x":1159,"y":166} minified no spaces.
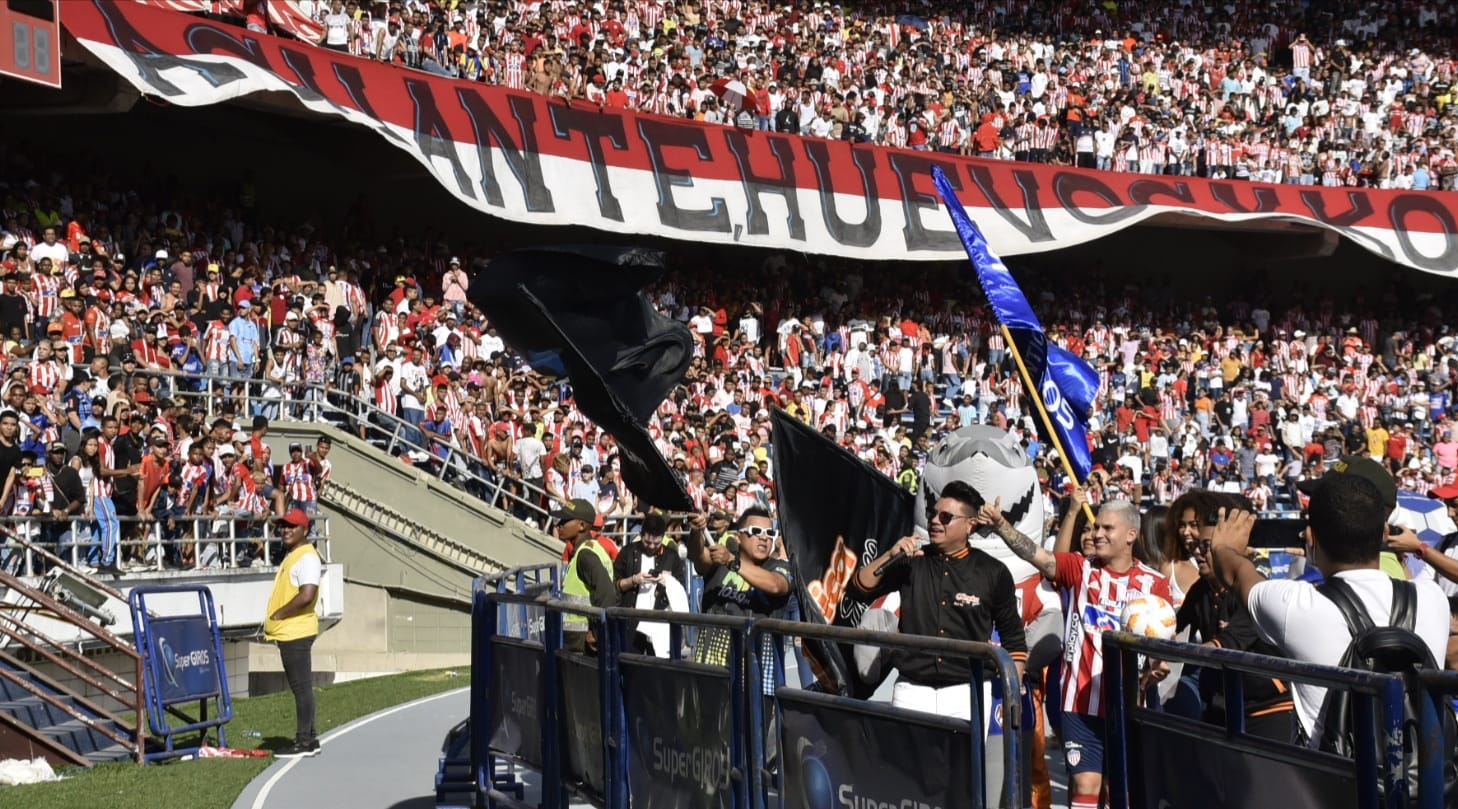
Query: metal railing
{"x":379,"y":515}
{"x":448,"y":462}
{"x":214,"y":541}
{"x":78,"y":665}
{"x":1377,"y":779}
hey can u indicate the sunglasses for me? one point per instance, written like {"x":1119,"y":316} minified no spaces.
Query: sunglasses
{"x":946,"y":517}
{"x":758,"y":531}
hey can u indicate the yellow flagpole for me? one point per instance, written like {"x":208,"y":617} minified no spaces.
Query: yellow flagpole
{"x":1036,"y":394}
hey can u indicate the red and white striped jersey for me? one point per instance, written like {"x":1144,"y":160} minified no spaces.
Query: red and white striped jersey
{"x":216,"y":341}
{"x":1096,"y":598}
{"x":47,"y":296}
{"x":100,"y":484}
{"x":195,"y":477}
{"x":385,"y":398}
{"x":298,"y":481}
{"x":1302,"y":55}
{"x":1045,"y":137}
{"x":45,"y":375}
{"x":515,"y":71}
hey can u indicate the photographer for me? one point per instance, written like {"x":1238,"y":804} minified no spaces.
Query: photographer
{"x":1345,"y":534}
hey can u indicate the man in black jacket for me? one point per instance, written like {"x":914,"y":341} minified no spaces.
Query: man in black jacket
{"x":787,"y":120}
{"x":9,"y":441}
{"x":127,"y":449}
{"x":67,"y":504}
{"x":951,"y":590}
{"x":1218,"y":617}
{"x":644,"y":572}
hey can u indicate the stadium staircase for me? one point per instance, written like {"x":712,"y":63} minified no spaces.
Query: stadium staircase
{"x":387,"y":512}
{"x":45,"y":717}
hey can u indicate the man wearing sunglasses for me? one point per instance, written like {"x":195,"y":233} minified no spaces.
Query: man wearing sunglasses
{"x":750,"y":583}
{"x":948,"y":590}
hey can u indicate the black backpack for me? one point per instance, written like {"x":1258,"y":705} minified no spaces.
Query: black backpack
{"x":1393,"y":649}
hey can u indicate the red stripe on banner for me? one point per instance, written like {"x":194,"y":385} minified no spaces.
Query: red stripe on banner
{"x":514,"y":129}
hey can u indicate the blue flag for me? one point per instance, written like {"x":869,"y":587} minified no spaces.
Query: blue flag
{"x":1066,"y":384}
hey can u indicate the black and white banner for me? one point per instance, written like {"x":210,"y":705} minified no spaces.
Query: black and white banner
{"x":528,"y":158}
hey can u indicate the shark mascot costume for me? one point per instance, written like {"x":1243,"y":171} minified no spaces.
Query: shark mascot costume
{"x":994,"y":463}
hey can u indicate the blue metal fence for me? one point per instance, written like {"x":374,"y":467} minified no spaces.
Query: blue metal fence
{"x":1156,"y":758}
{"x":622,"y":729}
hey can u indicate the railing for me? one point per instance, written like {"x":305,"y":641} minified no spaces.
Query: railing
{"x":379,"y":515}
{"x":622,"y":729}
{"x":1152,"y":755}
{"x":78,"y":665}
{"x":397,"y":434}
{"x":214,"y":539}
{"x":494,"y":487}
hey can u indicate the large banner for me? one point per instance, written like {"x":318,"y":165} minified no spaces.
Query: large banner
{"x":525,"y":158}
{"x":839,"y":757}
{"x":678,"y":734}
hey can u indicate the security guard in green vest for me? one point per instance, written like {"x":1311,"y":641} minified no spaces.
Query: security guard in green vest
{"x":589,"y":579}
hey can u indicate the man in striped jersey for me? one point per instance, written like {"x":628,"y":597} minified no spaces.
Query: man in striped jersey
{"x":1097,"y":588}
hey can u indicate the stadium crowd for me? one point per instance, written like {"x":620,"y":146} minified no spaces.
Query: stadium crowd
{"x":1329,"y":93}
{"x":121,"y":305}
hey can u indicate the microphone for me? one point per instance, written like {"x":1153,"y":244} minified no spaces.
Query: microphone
{"x":900,"y":557}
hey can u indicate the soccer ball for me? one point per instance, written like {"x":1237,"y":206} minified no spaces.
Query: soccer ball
{"x":1150,"y":616}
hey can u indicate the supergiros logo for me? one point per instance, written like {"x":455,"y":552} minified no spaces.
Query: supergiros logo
{"x":850,"y":799}
{"x":705,"y":767}
{"x":819,"y":790}
{"x":187,"y":660}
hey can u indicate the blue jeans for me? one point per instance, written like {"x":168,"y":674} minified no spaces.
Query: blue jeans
{"x":107,"y":530}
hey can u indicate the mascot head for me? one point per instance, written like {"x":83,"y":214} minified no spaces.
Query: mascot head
{"x":996,"y":465}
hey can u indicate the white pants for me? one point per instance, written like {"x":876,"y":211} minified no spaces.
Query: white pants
{"x":952,"y":701}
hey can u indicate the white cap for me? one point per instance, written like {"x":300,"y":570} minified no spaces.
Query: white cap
{"x":161,"y":254}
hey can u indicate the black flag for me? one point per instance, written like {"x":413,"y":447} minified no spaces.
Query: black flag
{"x":579,"y":312}
{"x":836,"y":513}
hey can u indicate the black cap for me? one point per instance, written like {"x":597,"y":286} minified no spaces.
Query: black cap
{"x":576,"y":510}
{"x":1361,"y":466}
{"x":296,"y":446}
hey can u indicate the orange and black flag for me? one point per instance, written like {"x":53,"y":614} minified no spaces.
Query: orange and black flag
{"x":836,"y":513}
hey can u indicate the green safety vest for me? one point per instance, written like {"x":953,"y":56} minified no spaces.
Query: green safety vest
{"x":907,"y":479}
{"x":574,"y":588}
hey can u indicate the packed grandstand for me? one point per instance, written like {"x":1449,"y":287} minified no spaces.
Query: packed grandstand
{"x":1251,"y":395}
{"x":1333,"y":94}
{"x":156,"y":323}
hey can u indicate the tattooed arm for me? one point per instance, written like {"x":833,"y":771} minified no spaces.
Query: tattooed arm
{"x":1020,"y":544}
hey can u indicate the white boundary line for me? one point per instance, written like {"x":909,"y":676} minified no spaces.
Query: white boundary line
{"x":261,"y":799}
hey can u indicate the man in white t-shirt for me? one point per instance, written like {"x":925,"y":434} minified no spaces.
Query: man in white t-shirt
{"x":1345,"y":535}
{"x":530,"y":451}
{"x":49,"y":248}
